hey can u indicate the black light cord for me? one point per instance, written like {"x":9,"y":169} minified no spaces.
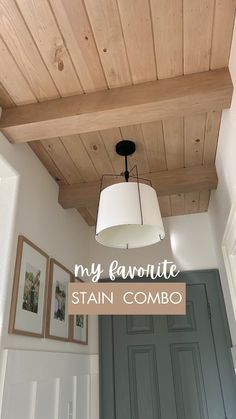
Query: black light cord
{"x":126,"y":174}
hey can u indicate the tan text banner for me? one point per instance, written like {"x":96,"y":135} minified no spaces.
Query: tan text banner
{"x":127,"y":298}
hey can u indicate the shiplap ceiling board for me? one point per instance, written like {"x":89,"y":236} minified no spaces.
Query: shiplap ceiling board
{"x":55,"y":50}
{"x":166,"y":182}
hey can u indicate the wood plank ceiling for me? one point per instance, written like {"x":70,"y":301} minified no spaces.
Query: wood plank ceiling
{"x":56,"y":48}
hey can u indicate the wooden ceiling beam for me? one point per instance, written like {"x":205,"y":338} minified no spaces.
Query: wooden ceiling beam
{"x":167,"y":182}
{"x":146,"y":102}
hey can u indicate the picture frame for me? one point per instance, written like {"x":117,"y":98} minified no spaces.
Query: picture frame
{"x":57,"y":321}
{"x":29,"y":291}
{"x":79,"y":325}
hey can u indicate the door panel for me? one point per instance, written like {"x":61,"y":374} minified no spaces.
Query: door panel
{"x":143,"y":382}
{"x":183,"y":323}
{"x":139,"y":324}
{"x":165,"y":366}
{"x":188,"y":381}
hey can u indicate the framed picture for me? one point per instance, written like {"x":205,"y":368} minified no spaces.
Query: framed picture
{"x":79,"y":326}
{"x":28,"y":305}
{"x":57,"y":324}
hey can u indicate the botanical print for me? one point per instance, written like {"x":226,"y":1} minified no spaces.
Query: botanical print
{"x":79,"y":320}
{"x":28,"y":305}
{"x":60,"y":301}
{"x":31,"y":288}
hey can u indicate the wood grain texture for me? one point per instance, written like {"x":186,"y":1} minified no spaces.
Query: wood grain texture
{"x":70,"y":46}
{"x":211,"y":136}
{"x":93,"y":211}
{"x":75,"y":27}
{"x":166,"y":183}
{"x":43,"y":155}
{"x":6,"y":100}
{"x":204,"y":197}
{"x":154,"y":144}
{"x":146,"y":102}
{"x":50,"y":43}
{"x":222,"y":32}
{"x":20,"y":43}
{"x":137,"y":29}
{"x":165,"y":205}
{"x":13,"y":81}
{"x":198,"y":22}
{"x":110,"y":138}
{"x":194,"y":135}
{"x":106,"y":26}
{"x":191,"y":202}
{"x":94,"y":145}
{"x":78,"y":154}
{"x":61,"y":158}
{"x":177,"y":204}
{"x":174,"y":142}
{"x":167,"y":18}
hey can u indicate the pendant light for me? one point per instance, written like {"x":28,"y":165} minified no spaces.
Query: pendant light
{"x":128,"y":212}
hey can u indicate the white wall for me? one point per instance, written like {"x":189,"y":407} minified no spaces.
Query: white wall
{"x":66,"y":388}
{"x":41,"y":375}
{"x":222,"y":198}
{"x":188,"y":243}
{"x":29,"y":206}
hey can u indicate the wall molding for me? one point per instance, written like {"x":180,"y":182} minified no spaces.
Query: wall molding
{"x":50,"y":384}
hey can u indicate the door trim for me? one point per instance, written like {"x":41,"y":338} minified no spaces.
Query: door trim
{"x":221,"y":336}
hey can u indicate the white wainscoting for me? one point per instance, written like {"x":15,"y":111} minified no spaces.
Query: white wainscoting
{"x":48,"y":385}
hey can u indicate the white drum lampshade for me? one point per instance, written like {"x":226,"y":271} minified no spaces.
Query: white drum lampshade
{"x":129,"y":216}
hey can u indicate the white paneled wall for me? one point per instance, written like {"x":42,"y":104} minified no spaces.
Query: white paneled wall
{"x":224,"y":196}
{"x":46,"y":385}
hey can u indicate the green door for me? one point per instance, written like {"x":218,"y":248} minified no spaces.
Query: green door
{"x":167,"y":367}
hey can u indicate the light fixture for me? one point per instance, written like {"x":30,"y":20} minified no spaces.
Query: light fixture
{"x":128,"y":212}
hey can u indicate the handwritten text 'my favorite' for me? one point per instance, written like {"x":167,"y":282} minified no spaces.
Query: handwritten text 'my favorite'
{"x":165,"y":269}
